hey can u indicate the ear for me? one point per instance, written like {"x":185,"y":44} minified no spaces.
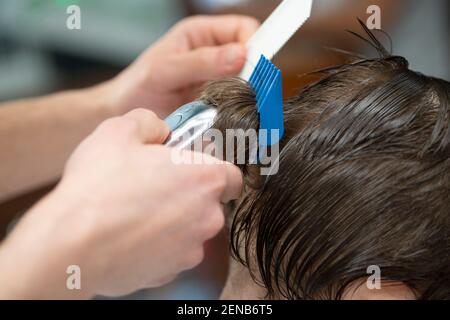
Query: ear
{"x":387,"y":291}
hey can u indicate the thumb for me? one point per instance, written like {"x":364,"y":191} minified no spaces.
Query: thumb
{"x":209,"y":63}
{"x":149,"y":129}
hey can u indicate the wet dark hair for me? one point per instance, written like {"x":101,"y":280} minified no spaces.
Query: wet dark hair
{"x":364,"y":179}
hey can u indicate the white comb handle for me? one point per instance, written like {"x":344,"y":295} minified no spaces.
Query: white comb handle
{"x":273,"y":34}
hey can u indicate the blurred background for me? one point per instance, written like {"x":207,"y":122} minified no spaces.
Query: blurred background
{"x":39,"y":55}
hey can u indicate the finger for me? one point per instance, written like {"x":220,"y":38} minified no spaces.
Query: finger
{"x":206,"y":64}
{"x":234,"y":183}
{"x":159,"y":282}
{"x":231,"y":188}
{"x":214,"y":223}
{"x":149,"y":129}
{"x":219,"y":30}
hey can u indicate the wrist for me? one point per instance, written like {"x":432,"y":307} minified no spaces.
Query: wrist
{"x":34,"y":261}
{"x":69,"y":241}
{"x":101,"y":98}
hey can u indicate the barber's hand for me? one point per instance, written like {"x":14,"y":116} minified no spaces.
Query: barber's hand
{"x":124,"y":212}
{"x":171,"y":72}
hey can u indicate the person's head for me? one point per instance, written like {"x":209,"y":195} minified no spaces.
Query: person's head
{"x":363,"y":181}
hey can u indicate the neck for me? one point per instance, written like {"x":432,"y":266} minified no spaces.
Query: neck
{"x":240,"y":285}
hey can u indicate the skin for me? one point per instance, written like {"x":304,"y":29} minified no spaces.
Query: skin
{"x":240,"y":285}
{"x":121,"y":198}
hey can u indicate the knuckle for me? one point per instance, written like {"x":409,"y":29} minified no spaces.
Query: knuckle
{"x":211,"y":173}
{"x":187,"y":22}
{"x":216,"y":178}
{"x":122,"y":125}
{"x":108,"y":125}
{"x":195,"y":19}
{"x":195,"y":258}
{"x":250,"y":20}
{"x":215,"y":223}
{"x":128,"y":126}
{"x":151,"y":114}
{"x":210,"y":178}
{"x":204,"y":57}
{"x":142,"y":112}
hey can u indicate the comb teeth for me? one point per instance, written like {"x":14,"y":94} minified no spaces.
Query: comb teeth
{"x":267,"y":84}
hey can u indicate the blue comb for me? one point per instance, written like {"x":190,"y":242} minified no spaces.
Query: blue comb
{"x":266,"y":81}
{"x":198,"y":117}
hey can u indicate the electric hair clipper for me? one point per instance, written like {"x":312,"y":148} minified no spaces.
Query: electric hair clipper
{"x":189,"y":123}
